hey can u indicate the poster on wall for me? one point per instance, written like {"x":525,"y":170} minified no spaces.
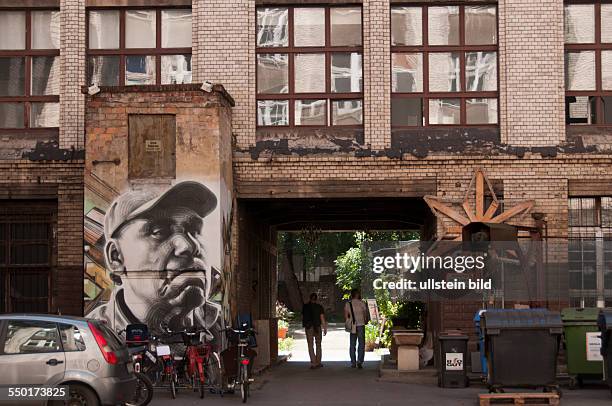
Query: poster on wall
{"x":152,"y":256}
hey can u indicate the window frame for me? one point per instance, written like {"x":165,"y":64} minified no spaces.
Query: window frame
{"x":425,"y":50}
{"x":597,"y":47}
{"x":327,"y":50}
{"x":601,"y":235}
{"x":28,"y":53}
{"x":122,"y":52}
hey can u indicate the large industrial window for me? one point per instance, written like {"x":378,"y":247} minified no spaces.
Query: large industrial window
{"x":444,"y":65}
{"x":139,"y":46}
{"x":588,"y":63}
{"x":590,"y":251}
{"x":26,"y":256}
{"x":309,"y":66}
{"x":29,"y":69}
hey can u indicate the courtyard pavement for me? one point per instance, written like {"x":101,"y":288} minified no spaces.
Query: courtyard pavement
{"x":336,"y":384}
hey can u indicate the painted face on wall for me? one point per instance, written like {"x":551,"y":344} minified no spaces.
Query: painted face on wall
{"x":155,"y":247}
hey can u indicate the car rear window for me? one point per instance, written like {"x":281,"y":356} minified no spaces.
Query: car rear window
{"x":72,"y":340}
{"x":109,"y":335}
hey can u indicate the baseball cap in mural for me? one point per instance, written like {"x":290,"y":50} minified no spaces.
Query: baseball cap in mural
{"x":134,"y":204}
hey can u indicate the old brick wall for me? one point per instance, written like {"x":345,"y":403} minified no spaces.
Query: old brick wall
{"x":62,"y":182}
{"x":72,"y":71}
{"x":531,"y":72}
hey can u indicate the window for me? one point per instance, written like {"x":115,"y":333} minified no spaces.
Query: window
{"x":444,"y":65}
{"x":31,"y":337}
{"x":588,"y":63}
{"x":139,"y":46}
{"x":309,"y":66}
{"x":26,"y":245}
{"x":29,"y":69}
{"x":72,"y":339}
{"x":590,"y":250}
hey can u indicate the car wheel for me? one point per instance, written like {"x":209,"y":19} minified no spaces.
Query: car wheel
{"x":80,"y":395}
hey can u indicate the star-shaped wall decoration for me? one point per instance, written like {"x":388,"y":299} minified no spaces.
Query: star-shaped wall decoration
{"x":480,"y":187}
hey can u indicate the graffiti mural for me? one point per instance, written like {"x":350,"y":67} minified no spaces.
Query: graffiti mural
{"x":153,"y":257}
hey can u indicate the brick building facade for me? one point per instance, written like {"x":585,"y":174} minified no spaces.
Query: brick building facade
{"x":370,"y":172}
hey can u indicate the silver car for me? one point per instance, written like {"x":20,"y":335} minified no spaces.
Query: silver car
{"x":84,"y":354}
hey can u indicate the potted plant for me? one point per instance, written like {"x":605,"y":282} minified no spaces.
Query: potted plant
{"x":283,"y":327}
{"x":371,"y":336}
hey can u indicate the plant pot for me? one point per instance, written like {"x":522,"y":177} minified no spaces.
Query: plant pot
{"x":282,"y":332}
{"x":370,"y":347}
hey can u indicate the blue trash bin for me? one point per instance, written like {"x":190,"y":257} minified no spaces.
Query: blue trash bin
{"x":481,"y":341}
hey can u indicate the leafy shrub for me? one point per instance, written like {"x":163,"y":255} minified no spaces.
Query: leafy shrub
{"x":283,"y":324}
{"x":286,"y":344}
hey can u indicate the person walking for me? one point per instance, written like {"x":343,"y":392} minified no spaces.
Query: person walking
{"x":357,"y":316}
{"x":313,"y":320}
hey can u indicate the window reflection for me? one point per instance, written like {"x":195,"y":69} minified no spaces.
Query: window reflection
{"x":140,"y":29}
{"x":139,"y":70}
{"x":444,"y":72}
{"x":580,"y":70}
{"x":272,"y":27}
{"x":272,"y":112}
{"x":309,"y":73}
{"x":176,"y":28}
{"x":346,"y":72}
{"x":103,"y":29}
{"x":406,"y":26}
{"x":407,"y":72}
{"x":310,"y":112}
{"x":347,"y":112}
{"x":175,"y":69}
{"x":443,"y":25}
{"x":481,"y":71}
{"x":103,"y":70}
{"x":272,"y":73}
{"x":444,"y":111}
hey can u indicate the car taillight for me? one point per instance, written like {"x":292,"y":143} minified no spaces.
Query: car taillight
{"x":108,"y":354}
{"x":245,"y":361}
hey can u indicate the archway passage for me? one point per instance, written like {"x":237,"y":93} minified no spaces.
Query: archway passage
{"x":259,"y":222}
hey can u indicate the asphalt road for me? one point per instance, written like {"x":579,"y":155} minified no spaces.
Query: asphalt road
{"x":293,"y":383}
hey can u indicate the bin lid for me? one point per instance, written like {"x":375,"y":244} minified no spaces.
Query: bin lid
{"x":453,"y":335}
{"x":500,"y":319}
{"x":580,"y":314}
{"x":605,"y":320}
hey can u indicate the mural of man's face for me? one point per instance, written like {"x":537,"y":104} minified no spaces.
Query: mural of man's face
{"x":167,"y":241}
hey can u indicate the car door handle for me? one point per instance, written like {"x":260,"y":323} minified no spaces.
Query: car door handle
{"x":54,"y":362}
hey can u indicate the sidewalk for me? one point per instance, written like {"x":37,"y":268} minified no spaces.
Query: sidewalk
{"x":335,"y":346}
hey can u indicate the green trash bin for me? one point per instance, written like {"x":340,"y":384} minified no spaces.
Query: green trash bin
{"x":583,"y":344}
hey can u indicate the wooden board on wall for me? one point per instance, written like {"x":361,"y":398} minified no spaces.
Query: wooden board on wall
{"x":152,"y":139}
{"x":585,"y":187}
{"x":336,"y":188}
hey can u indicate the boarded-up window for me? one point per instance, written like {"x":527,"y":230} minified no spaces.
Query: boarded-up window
{"x":152,"y":146}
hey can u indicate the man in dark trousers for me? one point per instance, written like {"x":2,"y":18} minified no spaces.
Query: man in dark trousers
{"x":313,"y":320}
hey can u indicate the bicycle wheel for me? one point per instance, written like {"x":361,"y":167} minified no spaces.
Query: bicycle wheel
{"x":172,"y":387}
{"x":244,"y":384}
{"x":144,"y":391}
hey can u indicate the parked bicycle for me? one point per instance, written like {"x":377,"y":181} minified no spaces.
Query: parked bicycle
{"x":201,"y":365}
{"x":137,"y":340}
{"x":241,"y":355}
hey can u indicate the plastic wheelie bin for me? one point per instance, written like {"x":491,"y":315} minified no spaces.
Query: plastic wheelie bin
{"x":481,"y":341}
{"x":452,"y":356}
{"x":583,"y":344}
{"x":605,"y":326}
{"x":521,"y":348}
